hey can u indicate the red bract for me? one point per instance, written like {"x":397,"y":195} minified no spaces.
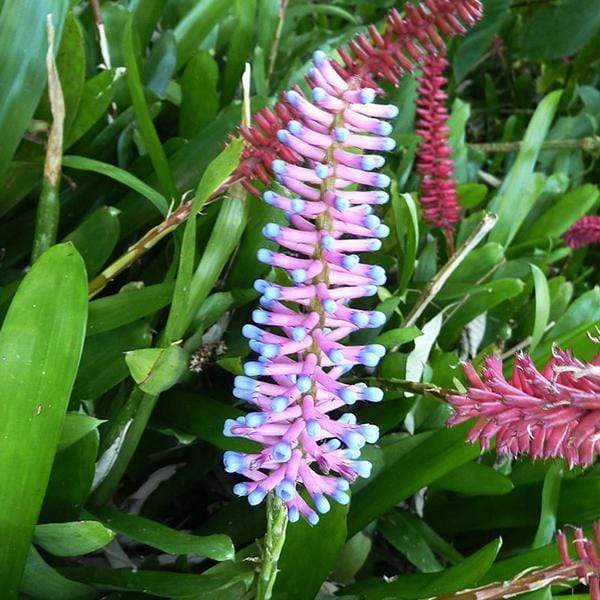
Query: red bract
{"x":401,"y":49}
{"x":585,"y":231}
{"x":587,"y":558}
{"x":438,"y":197}
{"x":553,"y":413}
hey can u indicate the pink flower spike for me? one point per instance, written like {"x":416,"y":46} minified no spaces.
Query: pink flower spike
{"x":549,"y":414}
{"x":583,"y":232}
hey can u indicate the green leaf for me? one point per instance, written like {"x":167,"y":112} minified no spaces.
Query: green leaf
{"x":96,"y":238}
{"x":161,"y":63}
{"x":150,"y":533}
{"x":202,"y":417}
{"x":478,"y":263}
{"x":475,"y":479}
{"x":157,"y":369}
{"x":439,"y":454}
{"x":108,"y":349}
{"x":508,"y":202}
{"x":125,"y":307}
{"x":239,"y":47}
{"x":75,"y":427}
{"x":218,"y":586}
{"x":583,"y":312}
{"x":41,"y":581}
{"x":399,"y":529}
{"x":550,"y":499}
{"x":96,"y":97}
{"x":300,"y":575}
{"x":542,"y":306}
{"x":471,"y":195}
{"x":143,"y":117}
{"x":397,"y":337}
{"x":427,"y":585}
{"x":40,"y":348}
{"x":192,"y":289}
{"x":131,"y":181}
{"x":559,"y":30}
{"x":195,"y":26}
{"x":23,"y":49}
{"x":199,"y":96}
{"x":480,"y":301}
{"x":568,"y":209}
{"x":406,"y":220}
{"x":72,"y":539}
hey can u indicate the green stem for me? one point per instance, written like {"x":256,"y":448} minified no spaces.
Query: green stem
{"x":48,"y":210}
{"x":273,"y":545}
{"x":587,"y":144}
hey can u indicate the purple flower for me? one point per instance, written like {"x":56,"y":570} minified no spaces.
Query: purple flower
{"x":299,"y":330}
{"x":553,"y":413}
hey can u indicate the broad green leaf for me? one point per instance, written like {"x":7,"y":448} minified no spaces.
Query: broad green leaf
{"x":73,"y":538}
{"x":40,"y":347}
{"x":71,"y":479}
{"x":508,"y":201}
{"x":96,"y":238}
{"x":161,"y":63}
{"x":300,"y":575}
{"x":475,"y":479}
{"x":397,"y":337}
{"x":406,"y":220}
{"x":155,"y":370}
{"x":568,"y":209}
{"x":165,"y":584}
{"x":191,"y":289}
{"x":23,"y":65}
{"x":484,"y":299}
{"x":399,"y":529}
{"x":203,"y":417}
{"x":542,"y":306}
{"x":195,"y":26}
{"x":125,"y":307}
{"x":75,"y":427}
{"x":151,"y":533}
{"x":108,"y":350}
{"x":439,"y":454}
{"x":131,"y":181}
{"x":18,"y":180}
{"x":41,"y":581}
{"x":550,"y":500}
{"x":244,"y":12}
{"x":147,"y":14}
{"x":477,"y":264}
{"x":471,"y":195}
{"x":457,"y":124}
{"x":427,"y":585}
{"x":95,"y":99}
{"x":152,"y":143}
{"x":583,"y":312}
{"x":199,"y":96}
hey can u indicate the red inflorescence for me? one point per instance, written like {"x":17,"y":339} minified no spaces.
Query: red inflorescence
{"x":439,"y":199}
{"x":402,"y":48}
{"x":585,"y":231}
{"x":587,"y":557}
{"x":553,"y":413}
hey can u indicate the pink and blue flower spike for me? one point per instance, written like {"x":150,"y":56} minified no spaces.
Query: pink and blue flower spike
{"x":308,"y":442}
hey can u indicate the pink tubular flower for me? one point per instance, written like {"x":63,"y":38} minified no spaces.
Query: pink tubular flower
{"x":587,"y":561}
{"x":438,"y":197}
{"x":583,"y":232}
{"x":295,"y":384}
{"x":547,"y":414}
{"x":402,"y":48}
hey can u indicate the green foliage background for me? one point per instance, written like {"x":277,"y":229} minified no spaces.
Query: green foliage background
{"x":111,"y":410}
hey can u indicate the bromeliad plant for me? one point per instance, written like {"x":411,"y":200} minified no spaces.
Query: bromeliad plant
{"x":295,"y":383}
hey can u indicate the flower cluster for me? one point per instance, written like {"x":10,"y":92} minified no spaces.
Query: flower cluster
{"x":438,"y":196}
{"x":401,"y":49}
{"x":298,"y":331}
{"x":545,"y":414}
{"x":583,"y":232}
{"x":587,"y":561}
